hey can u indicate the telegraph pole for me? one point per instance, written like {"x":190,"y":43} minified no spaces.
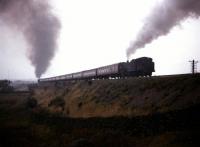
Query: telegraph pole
{"x":193,"y":66}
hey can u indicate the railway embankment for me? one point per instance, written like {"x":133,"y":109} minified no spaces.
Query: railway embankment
{"x":120,"y":97}
{"x":155,"y":112}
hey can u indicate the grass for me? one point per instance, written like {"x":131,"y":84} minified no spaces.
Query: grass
{"x":172,"y":103}
{"x":39,"y":128}
{"x":57,"y":102}
{"x":127,"y":97}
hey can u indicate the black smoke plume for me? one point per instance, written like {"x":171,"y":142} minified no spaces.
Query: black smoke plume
{"x":40,"y":27}
{"x":162,"y":19}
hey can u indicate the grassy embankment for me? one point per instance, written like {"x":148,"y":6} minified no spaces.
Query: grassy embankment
{"x":170,"y":119}
{"x":128,"y":97}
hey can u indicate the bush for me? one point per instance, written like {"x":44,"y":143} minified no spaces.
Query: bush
{"x":32,"y":103}
{"x":58,"y":101}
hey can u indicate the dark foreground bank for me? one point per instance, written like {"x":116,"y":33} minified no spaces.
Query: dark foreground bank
{"x":21,"y":124}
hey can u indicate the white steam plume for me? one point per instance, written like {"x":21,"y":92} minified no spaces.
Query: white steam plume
{"x":162,"y":19}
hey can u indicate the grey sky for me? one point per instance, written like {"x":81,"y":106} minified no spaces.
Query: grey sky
{"x":96,"y":33}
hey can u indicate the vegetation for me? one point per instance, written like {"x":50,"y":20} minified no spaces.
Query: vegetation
{"x":5,"y":86}
{"x":39,"y":128}
{"x":154,"y":112}
{"x":57,"y":102}
{"x":123,"y":97}
{"x":31,"y":102}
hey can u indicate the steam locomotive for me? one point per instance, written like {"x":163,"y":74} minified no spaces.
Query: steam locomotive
{"x":143,"y":66}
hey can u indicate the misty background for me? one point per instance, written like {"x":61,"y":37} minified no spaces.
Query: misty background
{"x":39,"y":27}
{"x":93,"y":33}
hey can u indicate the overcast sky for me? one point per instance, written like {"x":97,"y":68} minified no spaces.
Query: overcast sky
{"x":95,"y":33}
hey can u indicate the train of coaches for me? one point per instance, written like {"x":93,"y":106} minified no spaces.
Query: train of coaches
{"x":143,"y":66}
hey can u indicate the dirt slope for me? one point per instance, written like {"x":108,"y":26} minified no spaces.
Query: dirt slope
{"x":121,"y":97}
{"x":24,"y":124}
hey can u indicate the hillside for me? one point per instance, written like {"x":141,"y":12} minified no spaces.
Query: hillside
{"x":120,"y":97}
{"x":162,"y":112}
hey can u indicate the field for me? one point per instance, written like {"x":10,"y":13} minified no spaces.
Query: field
{"x":28,"y":119}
